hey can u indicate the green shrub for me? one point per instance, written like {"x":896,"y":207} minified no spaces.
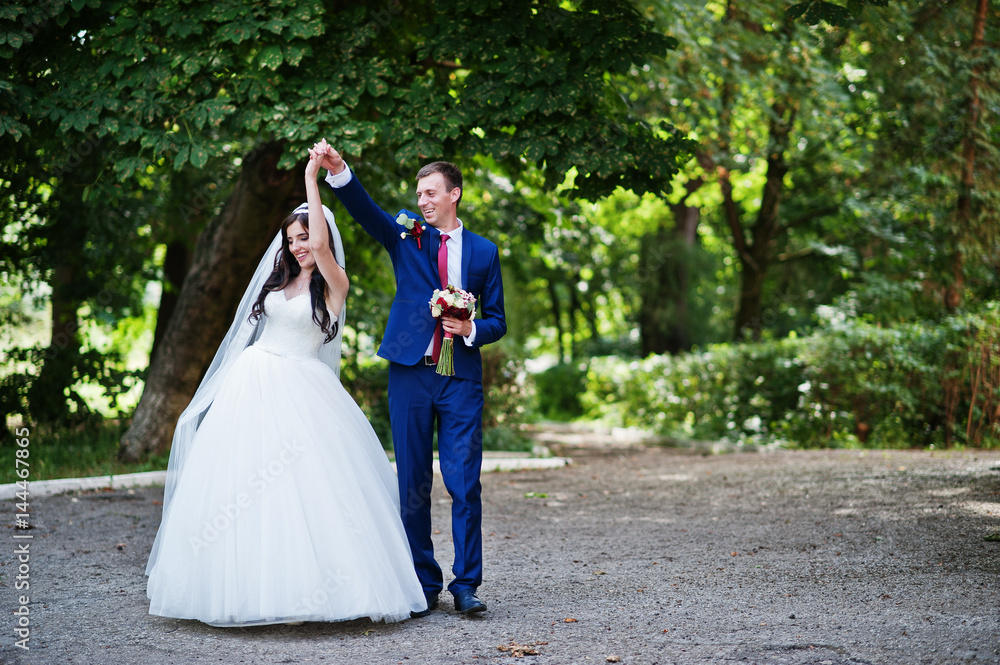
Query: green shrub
{"x":852,"y":383}
{"x":559,"y":390}
{"x":505,"y":439}
{"x":507,"y":393}
{"x":507,"y":388}
{"x":368,"y":384}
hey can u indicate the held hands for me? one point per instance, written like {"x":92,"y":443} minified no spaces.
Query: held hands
{"x":330,"y":158}
{"x":313,"y":166}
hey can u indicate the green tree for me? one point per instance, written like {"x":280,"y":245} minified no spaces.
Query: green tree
{"x":931,"y":76}
{"x":63,"y":218}
{"x":786,"y":140}
{"x":174,"y":83}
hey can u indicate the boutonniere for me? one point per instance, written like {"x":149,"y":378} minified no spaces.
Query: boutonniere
{"x":413,"y":227}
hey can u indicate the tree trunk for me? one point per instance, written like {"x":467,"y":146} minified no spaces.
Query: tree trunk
{"x":753,"y":270}
{"x":175,"y":267}
{"x":590,"y":315}
{"x":556,"y":307}
{"x":664,"y":261}
{"x":187,"y":213}
{"x":964,"y":212}
{"x":756,"y":256}
{"x":47,"y":394}
{"x":574,"y":308}
{"x":224,"y":259}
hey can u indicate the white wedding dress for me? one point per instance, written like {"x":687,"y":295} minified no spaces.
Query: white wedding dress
{"x":286,"y":508}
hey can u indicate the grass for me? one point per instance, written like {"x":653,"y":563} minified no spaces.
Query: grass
{"x":79,"y":452}
{"x":92,"y":450}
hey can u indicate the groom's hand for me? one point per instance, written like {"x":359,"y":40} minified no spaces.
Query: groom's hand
{"x":332,"y":161}
{"x":461,"y":327}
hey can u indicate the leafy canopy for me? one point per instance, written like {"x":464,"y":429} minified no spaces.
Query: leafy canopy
{"x":181,"y":81}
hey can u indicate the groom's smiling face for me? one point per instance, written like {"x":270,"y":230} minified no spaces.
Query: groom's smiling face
{"x":436,"y":202}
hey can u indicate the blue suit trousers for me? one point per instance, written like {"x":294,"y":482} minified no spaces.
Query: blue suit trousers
{"x":419,"y":400}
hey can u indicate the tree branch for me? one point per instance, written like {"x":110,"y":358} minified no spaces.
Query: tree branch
{"x":810,"y":215}
{"x":797,"y":254}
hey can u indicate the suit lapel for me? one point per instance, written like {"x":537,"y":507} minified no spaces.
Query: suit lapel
{"x":466,"y":258}
{"x":433,"y":244}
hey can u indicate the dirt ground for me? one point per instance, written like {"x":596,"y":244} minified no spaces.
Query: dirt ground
{"x":644,"y":555}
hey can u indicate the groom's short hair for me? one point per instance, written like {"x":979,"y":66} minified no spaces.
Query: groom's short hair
{"x":452,"y":175}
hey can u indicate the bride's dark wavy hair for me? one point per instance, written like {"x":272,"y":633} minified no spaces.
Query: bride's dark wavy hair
{"x":286,"y":269}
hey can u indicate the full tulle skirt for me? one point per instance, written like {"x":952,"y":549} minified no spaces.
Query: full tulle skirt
{"x":286,"y":509}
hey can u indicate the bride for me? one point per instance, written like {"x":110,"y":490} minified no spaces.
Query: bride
{"x":280,"y":505}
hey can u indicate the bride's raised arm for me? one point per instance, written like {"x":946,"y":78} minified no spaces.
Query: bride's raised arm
{"x":319,"y":241}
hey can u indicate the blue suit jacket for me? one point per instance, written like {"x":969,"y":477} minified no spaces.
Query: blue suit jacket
{"x":411,"y":326}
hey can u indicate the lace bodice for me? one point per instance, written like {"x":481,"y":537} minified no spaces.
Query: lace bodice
{"x":290,"y":330}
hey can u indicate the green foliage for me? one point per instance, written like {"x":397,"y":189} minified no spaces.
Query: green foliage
{"x":851,"y":383}
{"x":506,"y":388}
{"x":505,"y":439}
{"x":559,"y":389}
{"x":368,"y":384}
{"x":88,"y":449}
{"x":180,"y":81}
{"x":765,"y":98}
{"x":55,"y":395}
{"x":126,"y":121}
{"x":927,"y":205}
{"x":814,"y":11}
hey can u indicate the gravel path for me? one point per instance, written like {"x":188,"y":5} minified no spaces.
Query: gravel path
{"x":648,"y":555}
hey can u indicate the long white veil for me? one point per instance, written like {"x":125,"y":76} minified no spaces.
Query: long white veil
{"x":242,"y":333}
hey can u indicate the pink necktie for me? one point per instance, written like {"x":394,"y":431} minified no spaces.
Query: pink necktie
{"x":443,"y":273}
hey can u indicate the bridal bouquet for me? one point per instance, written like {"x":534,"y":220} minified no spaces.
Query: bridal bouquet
{"x":455,"y":303}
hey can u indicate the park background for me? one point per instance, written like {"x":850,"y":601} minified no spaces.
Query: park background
{"x":765,"y":224}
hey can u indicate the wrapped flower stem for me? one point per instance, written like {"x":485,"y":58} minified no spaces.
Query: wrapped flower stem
{"x":446,"y":362}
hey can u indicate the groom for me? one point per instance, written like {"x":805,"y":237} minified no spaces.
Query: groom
{"x":445,"y":252}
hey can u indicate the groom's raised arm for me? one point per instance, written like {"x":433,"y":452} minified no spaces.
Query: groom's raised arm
{"x":376,"y":222}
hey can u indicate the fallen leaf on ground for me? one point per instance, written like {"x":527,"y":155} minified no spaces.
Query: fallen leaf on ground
{"x":613,"y":659}
{"x":520,"y":650}
{"x":569,"y":620}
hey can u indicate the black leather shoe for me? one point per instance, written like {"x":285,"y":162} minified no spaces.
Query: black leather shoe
{"x":432,"y":602}
{"x":466,"y":602}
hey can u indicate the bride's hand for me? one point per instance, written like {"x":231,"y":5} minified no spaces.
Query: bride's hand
{"x":332,"y":161}
{"x":314,"y":165}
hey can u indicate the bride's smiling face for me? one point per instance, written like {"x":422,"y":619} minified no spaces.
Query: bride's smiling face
{"x":298,"y":245}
